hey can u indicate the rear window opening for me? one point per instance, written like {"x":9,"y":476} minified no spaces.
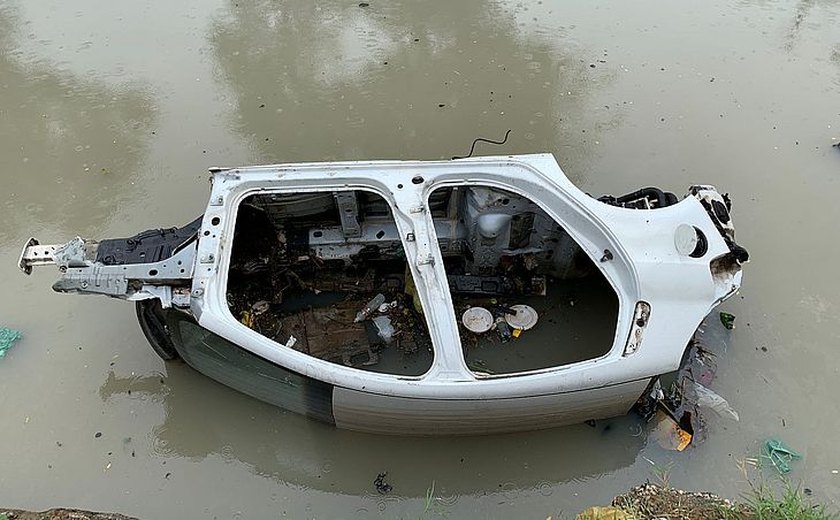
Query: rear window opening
{"x":526,"y":295}
{"x":326,"y":274}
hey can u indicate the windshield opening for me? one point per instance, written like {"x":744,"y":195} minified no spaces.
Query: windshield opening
{"x":326,"y":274}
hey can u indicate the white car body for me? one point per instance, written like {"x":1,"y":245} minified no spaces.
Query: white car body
{"x":663,"y":293}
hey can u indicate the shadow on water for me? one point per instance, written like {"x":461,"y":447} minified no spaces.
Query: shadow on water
{"x":321,"y":81}
{"x":204,"y":419}
{"x":69,"y":146}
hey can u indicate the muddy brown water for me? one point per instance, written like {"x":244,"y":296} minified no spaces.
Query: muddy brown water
{"x":110,"y":114}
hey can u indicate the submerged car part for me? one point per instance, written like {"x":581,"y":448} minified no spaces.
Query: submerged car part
{"x":261,"y":291}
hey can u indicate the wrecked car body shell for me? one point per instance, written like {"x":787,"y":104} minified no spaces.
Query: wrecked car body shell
{"x":669,"y":267}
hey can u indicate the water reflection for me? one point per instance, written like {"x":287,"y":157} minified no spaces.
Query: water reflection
{"x":797,"y":17}
{"x":69,"y":146}
{"x":317,"y":81}
{"x":801,"y":12}
{"x":320,"y":81}
{"x":204,"y":418}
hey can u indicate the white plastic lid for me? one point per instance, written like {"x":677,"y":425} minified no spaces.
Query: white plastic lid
{"x":525,"y":318}
{"x":477,"y":319}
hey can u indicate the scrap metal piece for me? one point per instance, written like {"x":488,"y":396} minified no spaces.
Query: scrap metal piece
{"x":348,"y":210}
{"x":75,"y":253}
{"x":34,"y":254}
{"x":152,"y":245}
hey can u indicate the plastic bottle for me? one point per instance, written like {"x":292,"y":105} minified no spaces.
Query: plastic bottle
{"x":377,"y":300}
{"x":504,"y":329}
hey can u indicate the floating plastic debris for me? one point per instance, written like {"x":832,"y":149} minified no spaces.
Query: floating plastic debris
{"x":8,"y":337}
{"x":477,"y":319}
{"x":384,"y":328}
{"x":780,"y":455}
{"x":523,"y":318}
{"x":669,"y":434}
{"x":710,"y":399}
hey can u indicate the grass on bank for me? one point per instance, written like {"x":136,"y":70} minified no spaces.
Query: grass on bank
{"x":776,"y":500}
{"x":661,"y":501}
{"x":650,"y":501}
{"x":792,"y":504}
{"x":762,"y":502}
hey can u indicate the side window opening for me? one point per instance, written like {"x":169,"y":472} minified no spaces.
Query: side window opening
{"x":326,"y":274}
{"x":526,"y":295}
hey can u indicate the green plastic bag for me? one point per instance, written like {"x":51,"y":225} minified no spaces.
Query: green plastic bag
{"x":7,"y":339}
{"x":780,"y":455}
{"x":728,"y":320}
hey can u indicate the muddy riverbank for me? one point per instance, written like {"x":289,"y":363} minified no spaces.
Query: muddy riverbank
{"x":645,"y":502}
{"x":59,"y":514}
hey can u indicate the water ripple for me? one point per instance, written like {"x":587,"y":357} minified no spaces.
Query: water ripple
{"x":448,"y":500}
{"x":509,"y":490}
{"x":544,"y":488}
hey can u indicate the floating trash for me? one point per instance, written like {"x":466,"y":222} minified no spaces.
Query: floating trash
{"x":381,"y":486}
{"x":260,"y":307}
{"x":384,"y":328}
{"x":388,"y":307}
{"x":247,"y":319}
{"x":780,"y":455}
{"x":524,"y":317}
{"x":477,"y":319}
{"x":668,"y":432}
{"x":8,"y":337}
{"x":710,"y":399}
{"x":371,"y":306}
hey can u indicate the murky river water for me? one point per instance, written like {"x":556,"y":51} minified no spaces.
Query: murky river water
{"x":110,"y":114}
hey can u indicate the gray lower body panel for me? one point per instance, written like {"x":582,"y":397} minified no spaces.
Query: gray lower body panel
{"x":374,"y":413}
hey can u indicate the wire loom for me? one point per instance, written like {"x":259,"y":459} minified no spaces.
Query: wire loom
{"x":482,"y":140}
